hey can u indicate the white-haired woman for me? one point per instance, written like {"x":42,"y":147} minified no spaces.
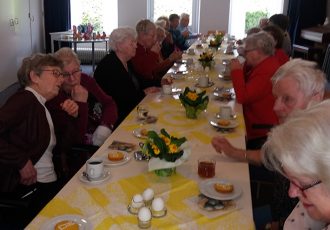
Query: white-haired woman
{"x":114,"y":73}
{"x":299,"y":149}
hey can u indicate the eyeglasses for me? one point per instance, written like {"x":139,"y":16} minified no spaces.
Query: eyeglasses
{"x":74,"y":73}
{"x":248,"y":50}
{"x":55,"y":73}
{"x":305,"y":187}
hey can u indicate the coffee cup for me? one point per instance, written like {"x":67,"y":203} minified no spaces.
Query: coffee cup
{"x":225,"y":112}
{"x":203,"y":81}
{"x":191,"y":51}
{"x":167,"y":89}
{"x":94,"y":168}
{"x":142,"y":112}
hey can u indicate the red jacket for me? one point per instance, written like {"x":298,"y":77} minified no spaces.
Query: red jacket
{"x":254,"y":91}
{"x":281,"y":56}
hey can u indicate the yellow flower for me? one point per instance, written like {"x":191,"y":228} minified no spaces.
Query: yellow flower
{"x":173,"y":148}
{"x":166,"y":139}
{"x":192,"y":96}
{"x":155,"y":149}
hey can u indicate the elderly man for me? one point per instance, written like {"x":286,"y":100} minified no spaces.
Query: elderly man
{"x":296,"y":84}
{"x":179,"y":40}
{"x":147,"y":62}
{"x":185,"y":30}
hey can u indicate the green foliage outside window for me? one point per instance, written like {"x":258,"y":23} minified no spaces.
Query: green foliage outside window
{"x":252,"y":19}
{"x":92,"y":14}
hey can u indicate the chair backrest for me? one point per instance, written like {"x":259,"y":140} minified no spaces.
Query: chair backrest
{"x":326,"y":63}
{"x":7,"y":92}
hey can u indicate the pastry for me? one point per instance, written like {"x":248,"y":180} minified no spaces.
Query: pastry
{"x":66,"y":225}
{"x":224,"y":187}
{"x":223,"y":122}
{"x":115,"y":156}
{"x":144,"y":132}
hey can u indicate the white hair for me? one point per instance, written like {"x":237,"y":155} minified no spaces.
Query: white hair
{"x":310,"y":78}
{"x":119,"y":35}
{"x":261,"y":41}
{"x":301,"y":144}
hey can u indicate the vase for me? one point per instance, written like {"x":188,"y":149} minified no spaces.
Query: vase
{"x":191,"y":113}
{"x":165,"y":172}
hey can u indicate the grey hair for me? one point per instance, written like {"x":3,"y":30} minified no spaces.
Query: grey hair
{"x":310,"y":78}
{"x":35,"y":63}
{"x":161,"y":23}
{"x":301,"y":144}
{"x":145,"y":26}
{"x":185,"y":15}
{"x":67,"y":56}
{"x":119,"y":35}
{"x":261,"y":41}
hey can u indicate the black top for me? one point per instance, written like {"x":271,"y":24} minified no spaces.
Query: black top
{"x":119,"y":83}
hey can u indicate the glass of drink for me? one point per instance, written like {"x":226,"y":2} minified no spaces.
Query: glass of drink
{"x":206,"y":167}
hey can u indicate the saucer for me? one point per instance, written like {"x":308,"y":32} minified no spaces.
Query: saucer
{"x":105,"y":176}
{"x":209,"y":85}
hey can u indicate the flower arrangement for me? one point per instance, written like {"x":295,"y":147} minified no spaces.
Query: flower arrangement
{"x":165,"y":151}
{"x":216,"y":42}
{"x":206,"y":59}
{"x":193,"y":102}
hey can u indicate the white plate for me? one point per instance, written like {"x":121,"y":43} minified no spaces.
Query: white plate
{"x":207,"y":189}
{"x":209,"y":85}
{"x":233,"y":124}
{"x":179,"y":74}
{"x":82,"y":222}
{"x":137,"y":133}
{"x":105,"y":176}
{"x":108,"y":162}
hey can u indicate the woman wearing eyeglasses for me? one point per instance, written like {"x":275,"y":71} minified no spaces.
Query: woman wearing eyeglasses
{"x":27,"y":137}
{"x":299,"y":149}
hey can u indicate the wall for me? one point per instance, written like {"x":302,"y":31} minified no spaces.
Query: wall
{"x":214,"y":14}
{"x":131,"y":11}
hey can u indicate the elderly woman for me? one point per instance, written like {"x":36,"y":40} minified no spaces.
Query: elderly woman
{"x":147,"y":62}
{"x":27,"y":135}
{"x":278,"y":36}
{"x":114,"y":73}
{"x":299,"y":150}
{"x":296,"y":84}
{"x":253,"y":87}
{"x":97,"y":110}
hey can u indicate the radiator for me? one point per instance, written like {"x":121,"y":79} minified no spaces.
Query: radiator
{"x":84,"y":52}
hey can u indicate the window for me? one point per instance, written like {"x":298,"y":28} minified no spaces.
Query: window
{"x":239,"y":9}
{"x":157,"y":8}
{"x":102,"y":14}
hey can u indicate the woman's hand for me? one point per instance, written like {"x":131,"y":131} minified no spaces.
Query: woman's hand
{"x":28,"y":174}
{"x":79,"y":93}
{"x":235,"y":64}
{"x":71,"y":107}
{"x":222,"y":145}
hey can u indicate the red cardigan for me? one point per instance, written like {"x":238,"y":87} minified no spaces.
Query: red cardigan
{"x":254,"y":91}
{"x":281,"y":56}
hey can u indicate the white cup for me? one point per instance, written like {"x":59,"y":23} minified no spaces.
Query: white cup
{"x":167,"y":89}
{"x":94,"y":168}
{"x":191,"y":51}
{"x":142,"y":112}
{"x":203,"y":81}
{"x":225,"y":112}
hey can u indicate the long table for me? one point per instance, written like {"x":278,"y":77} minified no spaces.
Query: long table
{"x":105,"y":205}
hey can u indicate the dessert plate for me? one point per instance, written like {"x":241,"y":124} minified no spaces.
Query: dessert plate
{"x":108,"y":162}
{"x":209,"y":85}
{"x":207,"y":189}
{"x":232,"y":124}
{"x":105,"y":176}
{"x":82,"y":222}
